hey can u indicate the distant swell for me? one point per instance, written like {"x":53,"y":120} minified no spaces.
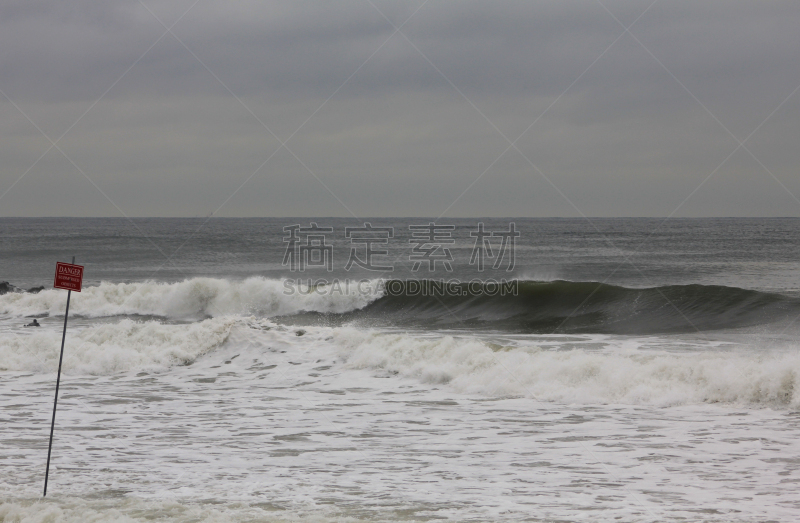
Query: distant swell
{"x":577,"y":307}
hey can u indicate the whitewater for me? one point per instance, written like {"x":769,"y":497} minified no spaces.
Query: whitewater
{"x":226,"y":398}
{"x":597,"y":368}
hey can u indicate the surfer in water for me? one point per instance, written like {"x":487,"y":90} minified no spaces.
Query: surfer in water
{"x":34,"y":323}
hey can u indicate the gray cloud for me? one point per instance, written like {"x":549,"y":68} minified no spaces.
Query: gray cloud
{"x":398,"y":138}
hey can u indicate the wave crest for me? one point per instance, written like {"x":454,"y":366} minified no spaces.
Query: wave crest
{"x":193,"y":298}
{"x":533,"y":307}
{"x":581,"y":307}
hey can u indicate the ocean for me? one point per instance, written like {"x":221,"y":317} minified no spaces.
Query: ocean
{"x":319,"y":369}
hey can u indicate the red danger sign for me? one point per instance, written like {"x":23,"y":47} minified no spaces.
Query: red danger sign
{"x":68,"y":277}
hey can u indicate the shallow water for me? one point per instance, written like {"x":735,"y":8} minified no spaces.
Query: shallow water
{"x":264,"y":428}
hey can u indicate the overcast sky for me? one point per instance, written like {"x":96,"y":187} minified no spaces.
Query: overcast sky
{"x":535,"y":108}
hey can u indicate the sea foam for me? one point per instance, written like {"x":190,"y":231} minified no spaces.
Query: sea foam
{"x":114,"y":347}
{"x":614,"y":375}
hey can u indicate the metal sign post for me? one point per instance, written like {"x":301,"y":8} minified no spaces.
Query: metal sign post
{"x":70,"y":277}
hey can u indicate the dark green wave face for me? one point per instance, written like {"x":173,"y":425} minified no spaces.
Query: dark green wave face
{"x":566,"y":307}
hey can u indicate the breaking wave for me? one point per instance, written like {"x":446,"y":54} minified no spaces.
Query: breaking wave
{"x":193,"y":298}
{"x":114,"y":347}
{"x":611,"y":375}
{"x":532,"y":307}
{"x":571,"y":307}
